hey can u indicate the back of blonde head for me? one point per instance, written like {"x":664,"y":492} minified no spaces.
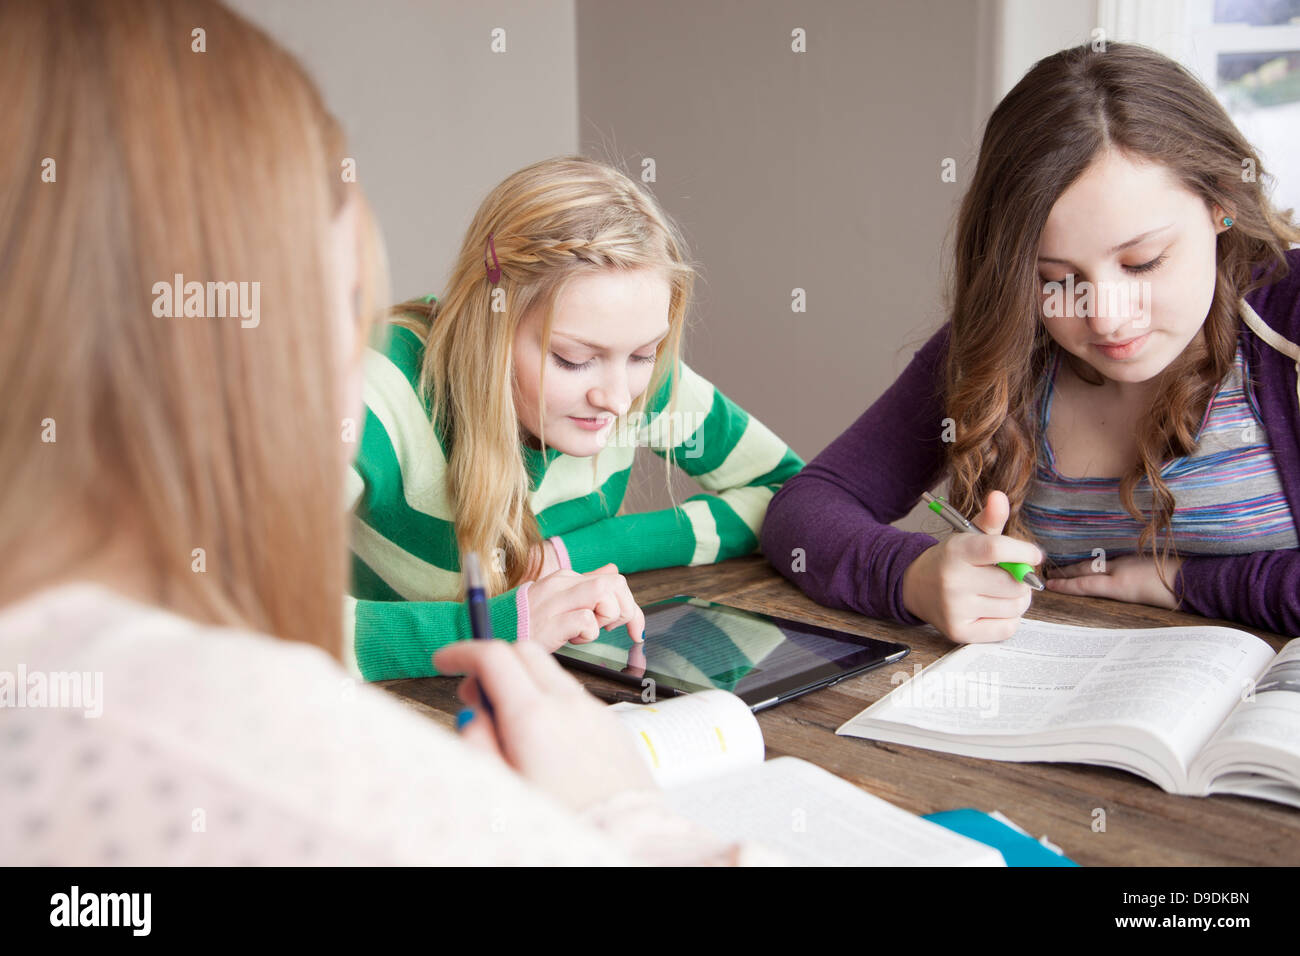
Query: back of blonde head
{"x":549,"y":222}
{"x":216,"y":447}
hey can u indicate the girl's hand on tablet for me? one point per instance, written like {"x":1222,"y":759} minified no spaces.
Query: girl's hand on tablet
{"x":568,"y":606}
{"x":547,"y":727}
{"x":957,"y":586}
{"x":1131,"y":578}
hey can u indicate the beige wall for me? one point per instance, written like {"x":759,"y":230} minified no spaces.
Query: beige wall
{"x":434,"y":118}
{"x":816,"y":170}
{"x":1029,"y":30}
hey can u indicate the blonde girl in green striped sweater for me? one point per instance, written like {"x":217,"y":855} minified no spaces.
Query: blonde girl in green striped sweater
{"x":503,"y":417}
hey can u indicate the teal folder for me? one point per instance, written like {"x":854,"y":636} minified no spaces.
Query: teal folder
{"x":1017,"y":848}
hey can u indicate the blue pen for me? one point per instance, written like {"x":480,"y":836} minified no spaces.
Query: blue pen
{"x":479,"y":624}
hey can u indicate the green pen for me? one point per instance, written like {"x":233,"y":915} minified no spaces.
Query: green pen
{"x":1021,"y":572}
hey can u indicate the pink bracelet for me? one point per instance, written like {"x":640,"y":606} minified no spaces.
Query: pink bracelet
{"x":521,"y":612}
{"x":561,"y":552}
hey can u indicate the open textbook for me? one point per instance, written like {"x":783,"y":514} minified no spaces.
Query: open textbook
{"x":1195,"y":710}
{"x":706,"y":750}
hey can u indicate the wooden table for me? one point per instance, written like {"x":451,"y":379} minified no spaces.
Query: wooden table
{"x":1143,"y":824}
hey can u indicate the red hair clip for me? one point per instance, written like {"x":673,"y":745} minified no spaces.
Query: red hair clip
{"x":494,"y":270}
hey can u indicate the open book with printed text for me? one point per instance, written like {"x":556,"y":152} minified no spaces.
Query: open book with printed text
{"x":1195,"y":710}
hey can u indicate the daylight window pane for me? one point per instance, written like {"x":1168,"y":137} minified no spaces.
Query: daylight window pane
{"x":1260,"y":13}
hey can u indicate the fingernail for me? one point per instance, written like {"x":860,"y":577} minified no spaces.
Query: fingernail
{"x":463,"y":718}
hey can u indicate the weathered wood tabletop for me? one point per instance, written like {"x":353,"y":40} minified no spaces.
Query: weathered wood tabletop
{"x":1143,"y":824}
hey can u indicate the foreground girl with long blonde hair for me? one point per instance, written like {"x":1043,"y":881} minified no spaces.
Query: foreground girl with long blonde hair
{"x":171,"y":523}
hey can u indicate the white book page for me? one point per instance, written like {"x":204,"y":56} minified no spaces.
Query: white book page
{"x":1178,"y":683}
{"x":695,"y":737}
{"x":813,"y":817}
{"x":1259,"y":786}
{"x":1269,"y":717}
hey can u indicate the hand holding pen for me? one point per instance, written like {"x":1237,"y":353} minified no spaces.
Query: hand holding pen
{"x":549,"y":729}
{"x":480,"y":623}
{"x":975,"y":585}
{"x":604,"y":589}
{"x":1017,"y":569}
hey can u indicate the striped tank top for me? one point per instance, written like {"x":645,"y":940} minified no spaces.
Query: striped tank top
{"x":1229,"y":499}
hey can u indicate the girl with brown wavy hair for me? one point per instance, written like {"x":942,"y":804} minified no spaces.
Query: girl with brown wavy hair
{"x":1115,"y":384}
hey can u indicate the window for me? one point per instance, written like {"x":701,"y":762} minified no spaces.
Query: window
{"x":1247,"y":52}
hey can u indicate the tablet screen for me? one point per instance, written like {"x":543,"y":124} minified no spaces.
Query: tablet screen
{"x":692,"y":644}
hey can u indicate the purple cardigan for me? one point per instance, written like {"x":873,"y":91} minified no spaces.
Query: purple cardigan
{"x":838,"y":509}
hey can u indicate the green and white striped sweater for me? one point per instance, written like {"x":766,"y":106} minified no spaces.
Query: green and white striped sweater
{"x":405,"y":563}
